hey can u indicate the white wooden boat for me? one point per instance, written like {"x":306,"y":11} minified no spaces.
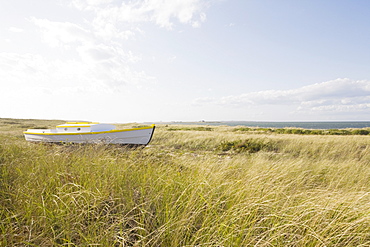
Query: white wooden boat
{"x":88,"y":132}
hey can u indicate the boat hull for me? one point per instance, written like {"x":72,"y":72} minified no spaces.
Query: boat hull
{"x":138,"y":136}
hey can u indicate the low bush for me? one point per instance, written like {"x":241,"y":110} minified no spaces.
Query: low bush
{"x":360,"y":132}
{"x":247,"y":145}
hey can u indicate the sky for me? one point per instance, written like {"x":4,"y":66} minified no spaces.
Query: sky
{"x":185,"y":60}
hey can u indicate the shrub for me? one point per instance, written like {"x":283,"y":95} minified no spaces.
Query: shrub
{"x":248,"y":145}
{"x":360,"y":132}
{"x":242,"y":129}
{"x":202,"y":128}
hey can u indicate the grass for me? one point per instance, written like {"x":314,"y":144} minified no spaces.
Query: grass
{"x":209,"y":186}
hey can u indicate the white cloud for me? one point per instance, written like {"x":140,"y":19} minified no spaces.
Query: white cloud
{"x":103,"y":72}
{"x":96,"y":60}
{"x":62,"y":34}
{"x":164,"y":10}
{"x":160,"y":12}
{"x":31,"y":69}
{"x":97,"y":45}
{"x":15,"y":30}
{"x":98,"y":2}
{"x":97,"y":53}
{"x":336,"y":96}
{"x":108,"y":32}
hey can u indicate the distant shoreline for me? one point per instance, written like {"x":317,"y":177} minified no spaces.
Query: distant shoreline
{"x":261,"y":124}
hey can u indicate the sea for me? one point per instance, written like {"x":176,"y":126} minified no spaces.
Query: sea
{"x":303,"y":125}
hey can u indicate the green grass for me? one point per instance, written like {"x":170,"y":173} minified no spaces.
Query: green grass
{"x":209,"y":186}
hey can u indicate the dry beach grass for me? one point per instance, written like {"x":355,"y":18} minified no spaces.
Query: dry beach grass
{"x":192,"y":186}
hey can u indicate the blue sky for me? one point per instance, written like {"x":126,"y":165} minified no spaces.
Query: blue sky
{"x":185,"y":60}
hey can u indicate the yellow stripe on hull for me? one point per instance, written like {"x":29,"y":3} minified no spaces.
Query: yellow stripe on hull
{"x":73,"y":126}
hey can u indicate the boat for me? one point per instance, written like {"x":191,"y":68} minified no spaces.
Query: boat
{"x":91,"y":132}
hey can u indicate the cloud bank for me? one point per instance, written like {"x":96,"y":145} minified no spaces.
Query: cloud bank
{"x":340,"y":96}
{"x":93,"y":48}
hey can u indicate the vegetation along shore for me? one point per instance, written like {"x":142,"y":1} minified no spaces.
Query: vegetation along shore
{"x":192,"y":186}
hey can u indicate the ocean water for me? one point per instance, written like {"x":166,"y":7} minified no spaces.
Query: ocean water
{"x":303,"y":125}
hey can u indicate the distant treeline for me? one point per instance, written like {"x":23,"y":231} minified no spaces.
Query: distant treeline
{"x":307,"y":131}
{"x":296,"y":131}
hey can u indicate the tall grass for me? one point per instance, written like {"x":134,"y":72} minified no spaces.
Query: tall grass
{"x":187,"y":189}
